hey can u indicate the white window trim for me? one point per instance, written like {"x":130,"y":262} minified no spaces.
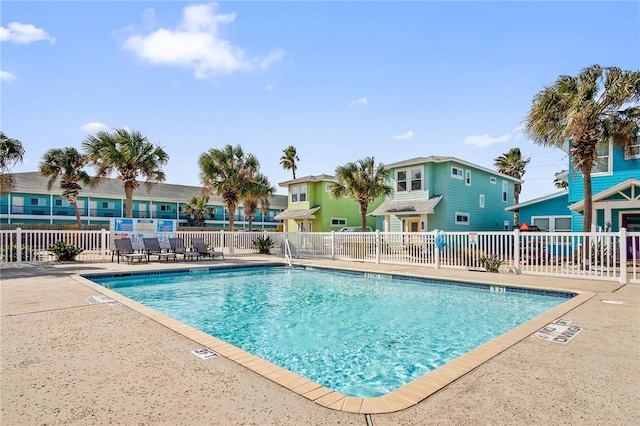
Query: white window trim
{"x":637,"y":146}
{"x":335,"y":220}
{"x":552,"y":222}
{"x":493,"y":180}
{"x":297,"y":190}
{"x":481,"y":201}
{"x":462,"y":214}
{"x":609,"y":164}
{"x":467,"y":177}
{"x":408,"y":173}
{"x":456,"y":176}
{"x":505,"y":190}
{"x":506,"y":225}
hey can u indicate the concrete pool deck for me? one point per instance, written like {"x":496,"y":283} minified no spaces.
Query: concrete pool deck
{"x":66,"y":361}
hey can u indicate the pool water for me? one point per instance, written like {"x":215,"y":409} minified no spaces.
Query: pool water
{"x":362,"y":335}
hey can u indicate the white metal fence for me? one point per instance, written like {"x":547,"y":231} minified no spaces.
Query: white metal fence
{"x":601,"y":255}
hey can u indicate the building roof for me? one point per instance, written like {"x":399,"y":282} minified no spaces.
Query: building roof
{"x":439,"y":159}
{"x":603,"y":195}
{"x":33,"y":182}
{"x":310,"y":178}
{"x":297,"y":214}
{"x":537,"y":200}
{"x":407,"y":207}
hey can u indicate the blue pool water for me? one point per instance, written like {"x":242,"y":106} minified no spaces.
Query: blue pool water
{"x":359,"y":334}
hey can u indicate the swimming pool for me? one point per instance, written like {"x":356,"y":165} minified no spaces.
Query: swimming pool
{"x":360,"y":334}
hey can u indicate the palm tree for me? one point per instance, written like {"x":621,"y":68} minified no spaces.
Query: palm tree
{"x":512,"y":164}
{"x":129,"y":154}
{"x":197,"y":207}
{"x":597,"y":106}
{"x":226,"y":172}
{"x":11,"y":153}
{"x":257,"y":191}
{"x":289,"y":159}
{"x":363,"y":181}
{"x":560,"y":180}
{"x":66,"y":164}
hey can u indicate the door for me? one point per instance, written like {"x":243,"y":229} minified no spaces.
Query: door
{"x":413,"y":225}
{"x":631,"y":221}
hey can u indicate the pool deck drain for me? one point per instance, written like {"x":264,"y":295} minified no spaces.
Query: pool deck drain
{"x":396,"y":400}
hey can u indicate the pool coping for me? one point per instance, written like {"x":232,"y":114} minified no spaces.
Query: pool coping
{"x":396,"y":400}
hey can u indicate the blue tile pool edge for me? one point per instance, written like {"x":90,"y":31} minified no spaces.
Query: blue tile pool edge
{"x":400,"y":277}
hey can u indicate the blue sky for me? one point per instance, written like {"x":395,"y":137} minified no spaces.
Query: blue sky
{"x":340,"y":81}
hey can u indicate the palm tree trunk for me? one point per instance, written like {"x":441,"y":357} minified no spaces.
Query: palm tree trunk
{"x":232,"y":213}
{"x":250,"y":223}
{"x":516,"y":200}
{"x":588,"y":199}
{"x":77,"y":212}
{"x":363,"y":213}
{"x":128,"y":193}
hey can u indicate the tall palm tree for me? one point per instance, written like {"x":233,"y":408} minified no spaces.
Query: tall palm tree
{"x":363,"y":181}
{"x":512,"y":164}
{"x":289,"y":159}
{"x":130,"y":155}
{"x":226,"y":172}
{"x":11,"y":153}
{"x":596,"y":106}
{"x":256,"y":192}
{"x":197,"y":207}
{"x":68,"y":165}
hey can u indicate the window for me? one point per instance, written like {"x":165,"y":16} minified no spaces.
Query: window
{"x":505,"y":191}
{"x":165,"y":208}
{"x":299,"y":193}
{"x":506,"y":225}
{"x":552,"y":223}
{"x":467,"y":174}
{"x":481,"y":201}
{"x":62,"y":203}
{"x":108,"y":205}
{"x":462,"y":218}
{"x":634,"y":149}
{"x":401,"y":181}
{"x":416,"y":180}
{"x":327,"y":187}
{"x":456,"y":172}
{"x":602,"y":164}
{"x":493,"y":180}
{"x":38,"y":202}
{"x":338,"y":221}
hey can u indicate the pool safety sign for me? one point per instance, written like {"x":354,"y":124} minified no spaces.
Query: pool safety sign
{"x":559,"y":331}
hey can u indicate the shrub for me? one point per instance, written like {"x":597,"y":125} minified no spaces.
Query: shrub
{"x":263,"y":244}
{"x":491,"y":263}
{"x":65,"y":252}
{"x":10,"y":253}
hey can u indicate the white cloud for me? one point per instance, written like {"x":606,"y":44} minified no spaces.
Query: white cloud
{"x":518,"y":132}
{"x":20,"y":33}
{"x":93,"y":127}
{"x":196,"y":45}
{"x":407,"y":135}
{"x":6,"y":76}
{"x":269,"y":88}
{"x":359,"y":101}
{"x":482,"y":141}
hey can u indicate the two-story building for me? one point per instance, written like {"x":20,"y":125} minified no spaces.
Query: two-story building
{"x":445,"y":193}
{"x":615,"y":184}
{"x":31,"y":203}
{"x":311,"y":208}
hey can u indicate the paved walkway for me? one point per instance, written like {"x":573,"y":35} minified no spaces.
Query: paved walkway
{"x":66,"y":361}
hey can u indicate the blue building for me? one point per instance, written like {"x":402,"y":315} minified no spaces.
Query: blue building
{"x":31,"y":203}
{"x":616,"y":194}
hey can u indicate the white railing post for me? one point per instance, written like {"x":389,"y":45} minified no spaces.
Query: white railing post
{"x":103,"y":244}
{"x":333,"y":245}
{"x":516,"y":250}
{"x":18,"y":245}
{"x":377,"y":246}
{"x":623,"y":255}
{"x":436,"y":257}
